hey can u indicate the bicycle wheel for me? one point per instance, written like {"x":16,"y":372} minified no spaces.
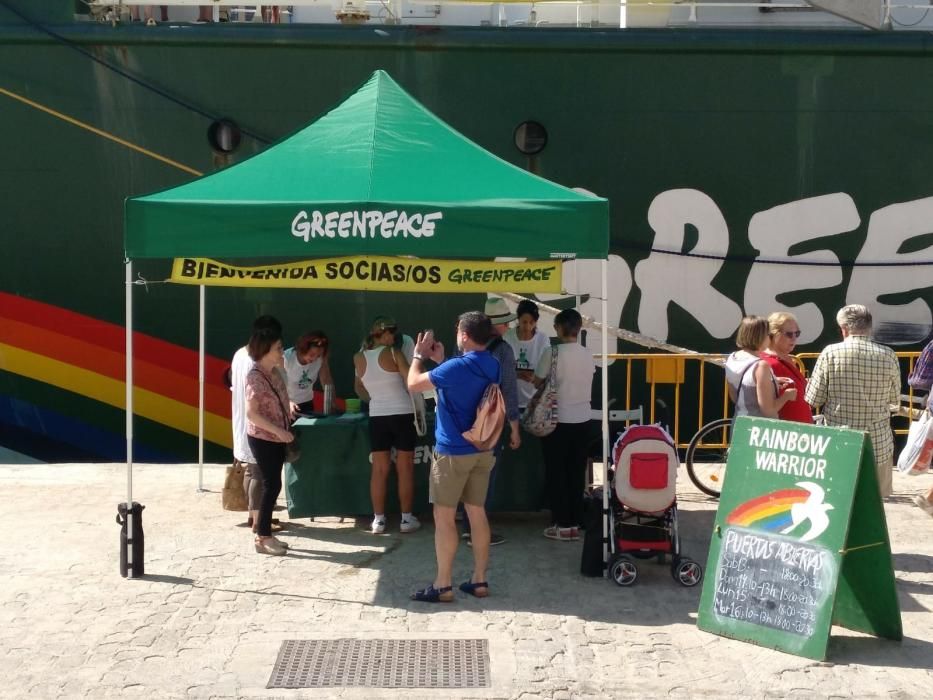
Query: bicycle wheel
{"x":707,"y":454}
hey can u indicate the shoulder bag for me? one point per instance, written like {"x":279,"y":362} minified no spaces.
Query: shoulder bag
{"x":486,"y":429}
{"x":540,"y":416}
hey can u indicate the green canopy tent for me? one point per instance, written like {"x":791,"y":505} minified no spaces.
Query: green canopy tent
{"x":377,"y":175}
{"x":378,"y":151}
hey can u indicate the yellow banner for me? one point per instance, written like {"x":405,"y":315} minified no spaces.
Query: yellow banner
{"x":376,"y":274}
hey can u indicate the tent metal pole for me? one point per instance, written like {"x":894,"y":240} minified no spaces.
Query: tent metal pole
{"x":129,"y":408}
{"x":201,"y":306}
{"x":604,"y":336}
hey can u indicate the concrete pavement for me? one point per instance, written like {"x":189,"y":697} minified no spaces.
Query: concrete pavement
{"x":209,"y":617}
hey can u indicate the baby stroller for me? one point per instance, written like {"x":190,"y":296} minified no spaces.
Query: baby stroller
{"x":643,"y":506}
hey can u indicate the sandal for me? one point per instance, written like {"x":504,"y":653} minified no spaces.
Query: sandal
{"x":434,"y":595}
{"x":480,"y":589}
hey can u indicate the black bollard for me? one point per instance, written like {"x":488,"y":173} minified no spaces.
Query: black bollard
{"x":134,"y":540}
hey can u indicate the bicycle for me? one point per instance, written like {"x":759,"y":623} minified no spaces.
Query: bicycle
{"x":707,"y":455}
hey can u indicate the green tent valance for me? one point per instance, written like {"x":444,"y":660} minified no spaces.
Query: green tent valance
{"x":378,"y":175}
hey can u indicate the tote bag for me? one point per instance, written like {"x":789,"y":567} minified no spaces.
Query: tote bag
{"x":917,"y":454}
{"x":233,"y":497}
{"x":540,"y":416}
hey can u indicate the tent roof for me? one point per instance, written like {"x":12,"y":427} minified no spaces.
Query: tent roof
{"x":380,"y":152}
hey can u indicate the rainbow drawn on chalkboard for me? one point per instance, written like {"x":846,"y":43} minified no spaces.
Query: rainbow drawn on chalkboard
{"x":771,"y":511}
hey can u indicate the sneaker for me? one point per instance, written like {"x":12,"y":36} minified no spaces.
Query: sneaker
{"x":564,"y":534}
{"x":408,"y":525}
{"x":924,"y":505}
{"x":494,"y":539}
{"x":378,"y":526}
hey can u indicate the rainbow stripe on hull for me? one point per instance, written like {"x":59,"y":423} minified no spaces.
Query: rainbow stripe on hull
{"x":72,"y":369}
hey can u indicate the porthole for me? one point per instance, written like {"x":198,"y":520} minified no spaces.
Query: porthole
{"x":224,"y":136}
{"x":530,"y":138}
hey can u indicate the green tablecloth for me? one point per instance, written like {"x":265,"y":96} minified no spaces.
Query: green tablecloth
{"x":332,"y":476}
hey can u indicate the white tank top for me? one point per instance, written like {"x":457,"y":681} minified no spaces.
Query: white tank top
{"x":388,"y":394}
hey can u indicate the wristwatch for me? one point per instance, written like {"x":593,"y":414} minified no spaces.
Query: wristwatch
{"x":417,"y":356}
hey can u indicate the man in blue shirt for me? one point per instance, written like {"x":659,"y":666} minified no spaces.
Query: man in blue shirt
{"x":500,"y":316}
{"x":460,"y":472}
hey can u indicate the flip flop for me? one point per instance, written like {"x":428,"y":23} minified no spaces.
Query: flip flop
{"x":480,"y":589}
{"x":431,"y":594}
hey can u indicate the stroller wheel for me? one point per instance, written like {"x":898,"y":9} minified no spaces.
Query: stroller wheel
{"x":622,"y":570}
{"x":686,"y":572}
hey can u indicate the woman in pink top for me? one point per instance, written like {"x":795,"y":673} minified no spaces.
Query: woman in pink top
{"x":268,"y":420}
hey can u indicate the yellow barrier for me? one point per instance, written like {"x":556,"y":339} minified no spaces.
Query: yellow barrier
{"x":690,"y":378}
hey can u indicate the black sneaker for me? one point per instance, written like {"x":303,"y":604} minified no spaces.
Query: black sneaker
{"x":494,"y":539}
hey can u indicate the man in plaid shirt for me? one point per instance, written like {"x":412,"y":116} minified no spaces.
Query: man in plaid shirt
{"x":855,"y":382}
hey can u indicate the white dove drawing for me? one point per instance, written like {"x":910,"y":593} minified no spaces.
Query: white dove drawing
{"x":813,"y":509}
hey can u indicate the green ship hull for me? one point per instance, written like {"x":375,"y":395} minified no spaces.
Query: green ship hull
{"x":746,"y":170}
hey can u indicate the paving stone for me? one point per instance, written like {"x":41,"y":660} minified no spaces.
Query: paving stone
{"x":210,"y":617}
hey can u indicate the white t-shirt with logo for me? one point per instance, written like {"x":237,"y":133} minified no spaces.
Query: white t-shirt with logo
{"x":575,"y":368}
{"x":527,"y":355}
{"x":301,"y":377}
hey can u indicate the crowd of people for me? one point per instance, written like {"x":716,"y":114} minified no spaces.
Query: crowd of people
{"x":853,"y":384}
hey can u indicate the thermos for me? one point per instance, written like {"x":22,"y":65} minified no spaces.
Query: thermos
{"x":136,"y":568}
{"x":328,"y":399}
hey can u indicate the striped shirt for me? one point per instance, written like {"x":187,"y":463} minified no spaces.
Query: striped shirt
{"x":855,"y":381}
{"x":922,"y":375}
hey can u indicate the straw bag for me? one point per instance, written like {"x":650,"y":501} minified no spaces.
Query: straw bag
{"x":540,"y":416}
{"x":233,"y":497}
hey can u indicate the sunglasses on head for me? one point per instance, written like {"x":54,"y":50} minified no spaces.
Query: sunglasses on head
{"x":791,"y":334}
{"x":319,"y":343}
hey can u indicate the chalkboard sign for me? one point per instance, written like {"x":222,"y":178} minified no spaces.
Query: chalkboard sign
{"x":772,"y":581}
{"x":786,"y":560}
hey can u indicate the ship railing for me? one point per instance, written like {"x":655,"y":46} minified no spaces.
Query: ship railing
{"x":891,"y":14}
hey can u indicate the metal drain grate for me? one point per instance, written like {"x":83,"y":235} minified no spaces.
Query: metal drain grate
{"x":382,"y":663}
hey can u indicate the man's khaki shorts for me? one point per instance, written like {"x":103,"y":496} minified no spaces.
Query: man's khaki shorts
{"x":456,"y":478}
